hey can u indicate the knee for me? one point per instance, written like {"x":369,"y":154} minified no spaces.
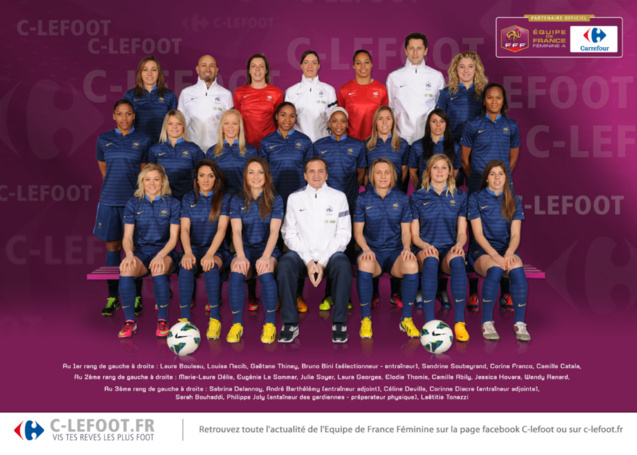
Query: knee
{"x":366,"y":266}
{"x":341,"y":265}
{"x":114,"y":246}
{"x":410,"y":267}
{"x":430,"y":264}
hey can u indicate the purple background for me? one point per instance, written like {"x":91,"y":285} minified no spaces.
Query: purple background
{"x":577,"y":136}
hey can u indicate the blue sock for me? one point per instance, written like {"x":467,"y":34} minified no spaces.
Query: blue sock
{"x":161,"y":287}
{"x":213,"y":288}
{"x":186,"y":286}
{"x":365,"y":289}
{"x":408,"y":291}
{"x":269,"y":296}
{"x":237,"y":295}
{"x":113,"y":259}
{"x":458,"y":287}
{"x":490,"y":289}
{"x":429,"y":281}
{"x":519,"y":289}
{"x":127,"y":293}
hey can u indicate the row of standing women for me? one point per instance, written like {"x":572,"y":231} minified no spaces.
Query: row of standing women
{"x":151,"y":219}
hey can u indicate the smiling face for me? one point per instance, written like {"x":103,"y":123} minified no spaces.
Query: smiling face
{"x":496,"y":179}
{"x":205,"y":179}
{"x":256,"y":176}
{"x":231,"y":128}
{"x":385,"y":123}
{"x":363,"y":65}
{"x":439,"y":172}
{"x":382,"y":176}
{"x":207,"y":69}
{"x":258,"y":70}
{"x":338,"y":124}
{"x":310,"y":66}
{"x":124,"y":117}
{"x":493,"y":101}
{"x":152,"y":184}
{"x":286,"y":118}
{"x":466,"y":70}
{"x":174,"y":128}
{"x":416,"y":51}
{"x":437,"y":125}
{"x":315,"y":174}
{"x":150,"y":73}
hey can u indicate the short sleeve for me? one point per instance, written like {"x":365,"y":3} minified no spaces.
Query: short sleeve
{"x":175,"y":211}
{"x":277,"y":208}
{"x":359,"y":210}
{"x":129,"y":211}
{"x":515,"y":135}
{"x":225,"y":205}
{"x":519,"y":212}
{"x":415,"y":152}
{"x":185,"y":206}
{"x":235,"y":207}
{"x":405,"y":216}
{"x":472,"y":207}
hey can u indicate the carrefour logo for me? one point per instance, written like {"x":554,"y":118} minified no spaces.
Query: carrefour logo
{"x":29,"y":430}
{"x":594,"y":39}
{"x":595,"y":35}
{"x":514,"y":38}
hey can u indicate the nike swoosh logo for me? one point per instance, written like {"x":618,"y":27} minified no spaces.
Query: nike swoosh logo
{"x":272,"y":146}
{"x":193,"y":206}
{"x":163,"y":306}
{"x":451,"y":99}
{"x":521,"y":305}
{"x":486,"y":301}
{"x":351,"y":93}
{"x":324,"y":151}
{"x":161,"y":154}
{"x":271,"y":311}
{"x":367,"y":208}
{"x":401,"y":86}
{"x":482,"y":208}
{"x":139,"y":213}
{"x":427,"y":301}
{"x":364,"y":304}
{"x":436,"y":334}
{"x":237,"y":312}
{"x":461,"y":300}
{"x":108,"y":144}
{"x":302,"y":210}
{"x":425,"y":203}
{"x":481,"y":131}
{"x":183,"y":336}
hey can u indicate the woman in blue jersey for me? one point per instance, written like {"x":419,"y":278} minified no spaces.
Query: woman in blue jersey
{"x":439,"y":233}
{"x":384,"y":142}
{"x":176,"y":154}
{"x":382,"y":230}
{"x":151,"y":232}
{"x":232,"y":151}
{"x":204,"y":219}
{"x":491,"y":136}
{"x":461,"y":99}
{"x":120,"y":153}
{"x":150,"y":98}
{"x":286,"y":151}
{"x":437,"y":140}
{"x":346,"y":159}
{"x":496,"y":218}
{"x":255,"y":215}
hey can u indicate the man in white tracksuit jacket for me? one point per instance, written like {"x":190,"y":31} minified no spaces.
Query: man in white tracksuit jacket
{"x":317,"y":228}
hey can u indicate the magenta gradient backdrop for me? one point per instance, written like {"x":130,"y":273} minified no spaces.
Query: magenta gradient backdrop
{"x":577,"y":122}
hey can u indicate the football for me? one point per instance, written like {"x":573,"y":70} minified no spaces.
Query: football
{"x":183,"y":338}
{"x":436,"y":337}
